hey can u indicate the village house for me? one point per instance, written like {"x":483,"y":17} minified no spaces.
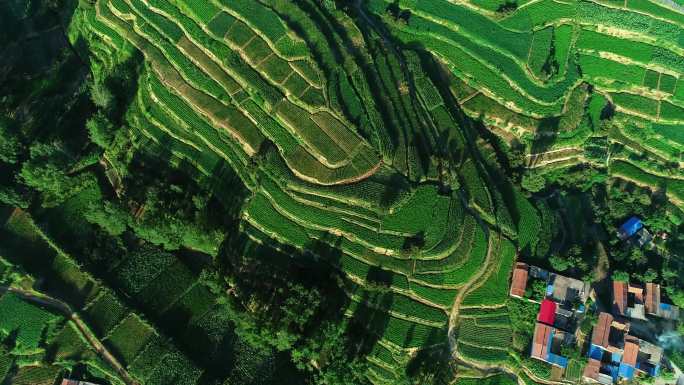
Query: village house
{"x":634,"y":230}
{"x":519,"y":280}
{"x":636,"y":302}
{"x":548,"y":340}
{"x":615,"y":354}
{"x":564,"y":299}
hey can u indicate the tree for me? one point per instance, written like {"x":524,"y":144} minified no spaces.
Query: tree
{"x":10,"y":197}
{"x":46,"y":172}
{"x":101,"y":96}
{"x":533,"y":182}
{"x":537,"y":291}
{"x":559,"y":263}
{"x":109,"y":216}
{"x":101,"y":130}
{"x":638,"y":257}
{"x":620,"y":276}
{"x":9,"y":144}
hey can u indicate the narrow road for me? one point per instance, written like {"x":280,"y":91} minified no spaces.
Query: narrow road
{"x":453,"y":317}
{"x":64,"y":308}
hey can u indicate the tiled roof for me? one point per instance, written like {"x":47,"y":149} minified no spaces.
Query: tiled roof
{"x":540,"y":343}
{"x":652,"y":300}
{"x":630,"y":355}
{"x":602,"y":330}
{"x":519,"y":281}
{"x":620,"y":297}
{"x":592,"y":369}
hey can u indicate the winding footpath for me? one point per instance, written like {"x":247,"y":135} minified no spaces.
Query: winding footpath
{"x":82,"y":327}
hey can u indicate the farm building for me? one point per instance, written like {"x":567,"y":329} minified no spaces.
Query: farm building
{"x":615,"y":354}
{"x":629,"y":228}
{"x":547,"y":344}
{"x":628,"y":300}
{"x":643,"y":237}
{"x":567,"y":291}
{"x":633,"y":301}
{"x":519,"y":281}
{"x":657,"y":308}
{"x":548,"y":340}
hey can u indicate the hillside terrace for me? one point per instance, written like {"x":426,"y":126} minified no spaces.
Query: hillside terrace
{"x":67,"y":381}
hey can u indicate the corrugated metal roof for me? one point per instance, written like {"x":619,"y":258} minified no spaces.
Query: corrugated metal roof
{"x":547,"y":312}
{"x":630,"y":227}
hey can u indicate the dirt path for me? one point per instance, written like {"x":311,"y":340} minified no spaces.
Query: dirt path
{"x":82,"y":327}
{"x":453,"y":316}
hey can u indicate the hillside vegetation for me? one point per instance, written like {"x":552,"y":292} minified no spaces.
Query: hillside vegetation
{"x":253,"y":181}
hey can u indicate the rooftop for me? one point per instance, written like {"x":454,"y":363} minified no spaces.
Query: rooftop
{"x":547,"y":312}
{"x":601,"y":331}
{"x":630,"y":227}
{"x":567,"y":290}
{"x":519,"y":281}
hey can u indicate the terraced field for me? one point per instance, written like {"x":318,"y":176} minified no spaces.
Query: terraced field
{"x":526,"y":76}
{"x":354,"y":131}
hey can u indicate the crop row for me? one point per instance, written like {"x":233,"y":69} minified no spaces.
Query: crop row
{"x":313,"y":216}
{"x":596,"y":67}
{"x":28,"y":319}
{"x":407,"y":306}
{"x":269,"y":24}
{"x":472,"y":333}
{"x":475,"y":258}
{"x":636,"y":103}
{"x":538,"y":13}
{"x":459,"y":254}
{"x":673,"y":187}
{"x":104,"y":312}
{"x":494,"y":290}
{"x":217,"y":46}
{"x":475,"y":187}
{"x":129,"y":337}
{"x":444,"y":297}
{"x":539,"y":51}
{"x":427,"y":32}
{"x":482,"y":354}
{"x":426,"y":211}
{"x":593,"y":13}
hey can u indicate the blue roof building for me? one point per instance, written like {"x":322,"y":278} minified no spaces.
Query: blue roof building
{"x":630,"y":228}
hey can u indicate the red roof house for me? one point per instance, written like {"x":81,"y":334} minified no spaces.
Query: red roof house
{"x":602,"y":330}
{"x":519,"y":281}
{"x":619,"y":297}
{"x":547,"y":312}
{"x":540,"y":342}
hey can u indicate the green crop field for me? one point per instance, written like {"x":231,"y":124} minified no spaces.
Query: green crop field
{"x":325,"y":192}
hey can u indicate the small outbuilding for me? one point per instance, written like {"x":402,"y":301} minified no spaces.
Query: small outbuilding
{"x":630,"y":228}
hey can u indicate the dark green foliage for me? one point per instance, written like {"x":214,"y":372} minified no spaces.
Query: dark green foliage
{"x":9,"y":142}
{"x":141,"y":267}
{"x":104,"y":312}
{"x":28,"y":320}
{"x":47,"y":172}
{"x":101,"y":130}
